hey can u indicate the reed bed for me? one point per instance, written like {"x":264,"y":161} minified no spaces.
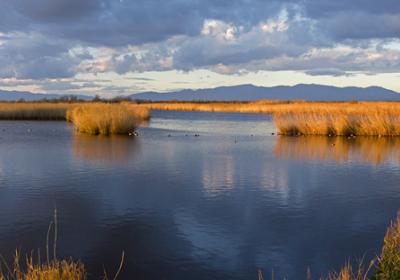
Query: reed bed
{"x":261,"y":106}
{"x":309,"y":118}
{"x":291,"y":117}
{"x":106,"y":119}
{"x":340,"y":122}
{"x":340,"y":119}
{"x":34,"y":111}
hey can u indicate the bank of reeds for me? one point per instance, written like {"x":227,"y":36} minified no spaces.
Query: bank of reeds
{"x":340,"y":119}
{"x":106,"y":119}
{"x":309,"y":118}
{"x":34,"y":111}
{"x":364,"y":122}
{"x":261,"y":106}
{"x":291,"y":117}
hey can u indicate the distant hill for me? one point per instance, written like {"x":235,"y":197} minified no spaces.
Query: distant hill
{"x":29,"y":96}
{"x":240,"y":93}
{"x":311,"y":92}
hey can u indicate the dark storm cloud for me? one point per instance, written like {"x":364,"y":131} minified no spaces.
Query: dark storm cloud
{"x":116,"y":23}
{"x":55,"y":10}
{"x":358,"y":25}
{"x":324,"y":8}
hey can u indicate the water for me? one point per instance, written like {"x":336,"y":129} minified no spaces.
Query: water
{"x":218,"y":206}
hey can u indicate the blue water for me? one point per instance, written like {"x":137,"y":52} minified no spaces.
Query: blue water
{"x":221,"y":205}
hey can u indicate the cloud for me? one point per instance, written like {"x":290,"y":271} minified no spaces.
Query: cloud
{"x":119,"y":23}
{"x":327,"y":72}
{"x":59,"y":39}
{"x":33,"y":56}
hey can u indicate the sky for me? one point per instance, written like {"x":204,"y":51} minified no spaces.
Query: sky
{"x":120,"y":47}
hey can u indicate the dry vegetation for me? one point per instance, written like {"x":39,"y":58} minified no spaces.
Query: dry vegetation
{"x":106,"y":119}
{"x":261,"y":106}
{"x":54,"y":270}
{"x":309,"y":118}
{"x":93,"y":118}
{"x":384,"y":267}
{"x":291,"y":117}
{"x":367,"y":119}
{"x":33,"y":111}
{"x":387,"y":264}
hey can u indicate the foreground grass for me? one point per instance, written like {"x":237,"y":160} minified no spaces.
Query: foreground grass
{"x":385,"y":267}
{"x":54,"y":270}
{"x":387,"y":264}
{"x":106,"y":119}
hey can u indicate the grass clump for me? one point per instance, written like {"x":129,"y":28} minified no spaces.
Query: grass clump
{"x":389,"y":260}
{"x":53,"y":270}
{"x":387,"y":264}
{"x":106,"y":119}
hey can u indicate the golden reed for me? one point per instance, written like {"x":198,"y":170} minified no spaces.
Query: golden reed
{"x":34,"y":111}
{"x":290,"y":117}
{"x":106,"y":119}
{"x":309,"y":118}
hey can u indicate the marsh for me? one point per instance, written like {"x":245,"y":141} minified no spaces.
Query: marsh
{"x":222,"y":205}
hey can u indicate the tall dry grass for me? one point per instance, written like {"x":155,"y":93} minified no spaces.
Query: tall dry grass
{"x":53,"y":270}
{"x":34,"y":111}
{"x":309,"y":118}
{"x":386,"y":265}
{"x":291,"y":117}
{"x":106,"y":119}
{"x":261,"y":106}
{"x":389,"y":259}
{"x":340,"y":119}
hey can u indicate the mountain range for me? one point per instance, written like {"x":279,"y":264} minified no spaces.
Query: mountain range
{"x":310,"y":92}
{"x":6,"y":95}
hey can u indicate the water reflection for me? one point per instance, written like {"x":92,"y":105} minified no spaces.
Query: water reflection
{"x":218,"y":173}
{"x":104,"y":149}
{"x":371,"y":150}
{"x":218,"y":206}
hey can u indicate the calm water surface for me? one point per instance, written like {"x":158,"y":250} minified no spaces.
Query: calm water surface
{"x":219,"y":206}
